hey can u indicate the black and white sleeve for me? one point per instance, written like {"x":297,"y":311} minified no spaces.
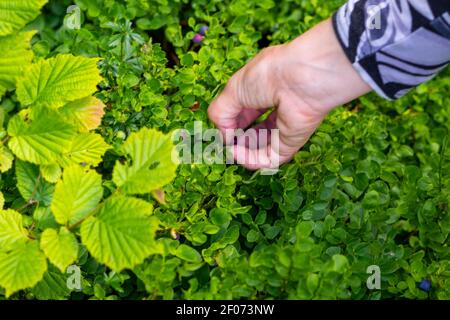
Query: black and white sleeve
{"x":395,"y":45}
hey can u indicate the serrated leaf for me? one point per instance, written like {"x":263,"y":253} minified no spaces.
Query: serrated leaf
{"x":43,"y":140}
{"x":12,"y":232}
{"x":61,"y":248}
{"x":86,"y":113}
{"x":15,"y":14}
{"x":76,"y":195}
{"x":31,"y":186}
{"x":6,"y":159}
{"x":57,"y":81}
{"x":151,"y":166}
{"x":22,"y":267}
{"x":85,"y":149}
{"x":15,"y":56}
{"x":121,"y":234}
{"x":51,"y":172}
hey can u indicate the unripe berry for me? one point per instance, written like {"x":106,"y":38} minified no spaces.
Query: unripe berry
{"x":120,"y":135}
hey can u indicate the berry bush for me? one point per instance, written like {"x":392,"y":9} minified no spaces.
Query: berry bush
{"x":89,"y":97}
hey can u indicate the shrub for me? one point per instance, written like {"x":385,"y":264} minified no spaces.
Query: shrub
{"x":371,"y":187}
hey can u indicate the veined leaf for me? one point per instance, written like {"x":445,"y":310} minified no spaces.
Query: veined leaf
{"x":86,"y":149}
{"x":12,"y":232}
{"x":121,"y":233}
{"x":6,"y":159}
{"x":86,"y":113}
{"x":53,"y":285}
{"x":151,"y":165}
{"x":57,"y":81}
{"x":31,"y":186}
{"x":61,"y":248}
{"x":15,"y":14}
{"x":76,"y":195}
{"x":15,"y":56}
{"x":51,"y":172}
{"x":22,"y":267}
{"x":43,"y":140}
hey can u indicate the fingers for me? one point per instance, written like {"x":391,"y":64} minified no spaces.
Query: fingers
{"x":248,"y":94}
{"x":288,"y":130}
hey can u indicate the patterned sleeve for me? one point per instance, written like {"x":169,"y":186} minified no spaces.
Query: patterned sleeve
{"x":395,"y":45}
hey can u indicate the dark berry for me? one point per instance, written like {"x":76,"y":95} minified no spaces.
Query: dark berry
{"x":425,"y":285}
{"x":203,"y":30}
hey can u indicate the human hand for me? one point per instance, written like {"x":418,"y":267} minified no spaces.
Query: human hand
{"x":303,"y":80}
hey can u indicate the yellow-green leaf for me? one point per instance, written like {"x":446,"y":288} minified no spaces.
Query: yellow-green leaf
{"x":61,"y":248}
{"x":15,"y":56}
{"x":76,"y":195}
{"x":22,"y":267}
{"x":86,"y":113}
{"x":85,"y":149}
{"x":41,"y":140}
{"x":51,"y":172}
{"x":12,"y":232}
{"x":57,"y":81}
{"x":6,"y":159}
{"x":15,"y":14}
{"x":151,"y":165}
{"x":121,"y":233}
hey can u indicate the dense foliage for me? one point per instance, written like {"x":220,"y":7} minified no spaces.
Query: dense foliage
{"x":87,"y":179}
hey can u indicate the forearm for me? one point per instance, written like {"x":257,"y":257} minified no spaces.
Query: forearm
{"x":317,"y":69}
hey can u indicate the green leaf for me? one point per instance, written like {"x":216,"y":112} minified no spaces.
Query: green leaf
{"x":59,"y":80}
{"x":121,"y":233}
{"x":86,"y":149}
{"x":2,"y":200}
{"x":86,"y":113}
{"x":15,"y":14}
{"x":15,"y":56}
{"x":31,"y":186}
{"x":76,"y":195}
{"x":43,"y":140}
{"x":12,"y":232}
{"x":187,"y":253}
{"x":51,"y":172}
{"x":22,"y":267}
{"x":53,"y":285}
{"x":60,"y":248}
{"x":150,"y":166}
{"x":6,"y":159}
{"x":44,"y":218}
{"x":219,"y":216}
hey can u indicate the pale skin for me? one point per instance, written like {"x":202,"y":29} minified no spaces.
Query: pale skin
{"x":304,"y":80}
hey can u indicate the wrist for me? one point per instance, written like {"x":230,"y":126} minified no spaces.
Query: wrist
{"x":315,"y":68}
